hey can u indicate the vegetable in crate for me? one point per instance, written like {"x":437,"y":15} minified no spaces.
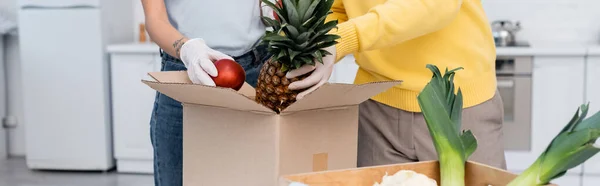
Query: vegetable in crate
{"x":570,"y":148}
{"x":299,"y":37}
{"x":442,"y":110}
{"x":406,"y":178}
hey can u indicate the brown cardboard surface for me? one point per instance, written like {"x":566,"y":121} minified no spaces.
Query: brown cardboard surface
{"x":320,"y":162}
{"x":476,"y":175}
{"x":171,"y":77}
{"x":177,"y":85}
{"x":230,"y":140}
{"x":210,"y":96}
{"x":333,"y":95}
{"x":230,"y":147}
{"x":304,"y":134}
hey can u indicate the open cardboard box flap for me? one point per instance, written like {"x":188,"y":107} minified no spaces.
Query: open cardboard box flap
{"x":178,"y":86}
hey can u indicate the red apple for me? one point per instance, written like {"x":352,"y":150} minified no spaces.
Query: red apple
{"x":230,"y":74}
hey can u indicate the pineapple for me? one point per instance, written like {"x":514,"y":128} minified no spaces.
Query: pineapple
{"x":298,"y":37}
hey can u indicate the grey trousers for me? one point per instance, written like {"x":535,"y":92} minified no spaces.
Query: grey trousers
{"x":388,"y":135}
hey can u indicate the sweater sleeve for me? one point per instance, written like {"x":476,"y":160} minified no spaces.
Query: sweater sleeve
{"x":394,"y":22}
{"x":339,"y":12}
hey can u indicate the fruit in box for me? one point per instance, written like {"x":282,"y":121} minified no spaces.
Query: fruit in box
{"x":298,"y":38}
{"x":231,"y":74}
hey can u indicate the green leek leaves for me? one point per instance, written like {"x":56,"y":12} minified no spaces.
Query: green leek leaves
{"x":570,"y":148}
{"x":442,"y":110}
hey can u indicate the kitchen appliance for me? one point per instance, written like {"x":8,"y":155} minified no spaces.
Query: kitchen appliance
{"x":504,"y":32}
{"x":65,"y":80}
{"x":514,"y":75}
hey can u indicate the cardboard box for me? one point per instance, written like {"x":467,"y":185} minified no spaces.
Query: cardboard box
{"x":231,"y":140}
{"x":476,"y":175}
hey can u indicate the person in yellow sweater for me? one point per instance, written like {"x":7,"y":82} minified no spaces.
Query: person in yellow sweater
{"x":394,"y":40}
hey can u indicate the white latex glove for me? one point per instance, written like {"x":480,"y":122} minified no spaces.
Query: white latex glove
{"x":199,"y":60}
{"x":320,"y":75}
{"x":297,"y":184}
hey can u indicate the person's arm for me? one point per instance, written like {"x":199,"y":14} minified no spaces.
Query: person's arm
{"x":394,"y":22}
{"x":160,"y":29}
{"x":197,"y":57}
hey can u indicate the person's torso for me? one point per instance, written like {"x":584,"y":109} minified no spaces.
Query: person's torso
{"x":466,"y":42}
{"x":229,"y":26}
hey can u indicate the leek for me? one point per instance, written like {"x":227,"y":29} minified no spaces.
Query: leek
{"x":570,"y":148}
{"x":442,"y":110}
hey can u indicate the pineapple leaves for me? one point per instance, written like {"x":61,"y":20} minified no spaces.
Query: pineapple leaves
{"x":270,"y":22}
{"x":319,"y":56}
{"x":325,"y":39}
{"x":303,"y":6}
{"x":323,"y":29}
{"x":300,"y":34}
{"x":276,"y":9}
{"x":308,"y":22}
{"x":276,"y":37}
{"x":325,"y":8}
{"x":284,"y":68}
{"x":291,"y":30}
{"x":293,"y":54}
{"x":303,"y":38}
{"x":294,"y":17}
{"x":316,"y":24}
{"x":310,"y":10}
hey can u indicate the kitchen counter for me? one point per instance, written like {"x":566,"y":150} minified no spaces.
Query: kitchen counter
{"x":500,"y":51}
{"x":134,"y":48}
{"x":594,"y":51}
{"x":542,"y":51}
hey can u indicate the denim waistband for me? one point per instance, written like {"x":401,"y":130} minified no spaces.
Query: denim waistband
{"x":256,"y":52}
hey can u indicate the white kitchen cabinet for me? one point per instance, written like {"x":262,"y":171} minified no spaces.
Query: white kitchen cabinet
{"x":344,"y":71}
{"x":590,"y":180}
{"x":569,"y":180}
{"x":592,"y":166}
{"x":132,"y":103}
{"x":558,"y":90}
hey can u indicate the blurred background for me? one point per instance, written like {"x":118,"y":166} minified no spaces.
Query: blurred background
{"x":74,"y":111}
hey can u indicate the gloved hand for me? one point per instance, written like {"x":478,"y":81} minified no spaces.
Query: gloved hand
{"x":320,"y":75}
{"x":199,"y":61}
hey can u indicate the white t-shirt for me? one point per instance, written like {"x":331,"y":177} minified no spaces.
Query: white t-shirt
{"x":229,"y":26}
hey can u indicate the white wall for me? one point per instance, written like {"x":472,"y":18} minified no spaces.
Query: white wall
{"x":544,"y":22}
{"x":551,"y":22}
{"x":138,"y":17}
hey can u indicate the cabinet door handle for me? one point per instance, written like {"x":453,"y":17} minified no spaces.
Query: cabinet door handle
{"x":505,"y":84}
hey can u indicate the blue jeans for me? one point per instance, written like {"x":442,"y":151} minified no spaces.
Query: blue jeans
{"x":166,"y":124}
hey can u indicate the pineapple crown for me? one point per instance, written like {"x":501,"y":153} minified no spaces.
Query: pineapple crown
{"x":300,"y":34}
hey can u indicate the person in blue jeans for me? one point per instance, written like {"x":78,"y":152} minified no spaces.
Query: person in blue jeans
{"x":192,"y":34}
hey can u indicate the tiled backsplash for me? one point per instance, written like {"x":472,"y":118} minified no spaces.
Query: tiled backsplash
{"x":550,"y":22}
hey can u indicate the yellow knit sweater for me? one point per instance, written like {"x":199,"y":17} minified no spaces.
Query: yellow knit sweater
{"x":395,"y":39}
